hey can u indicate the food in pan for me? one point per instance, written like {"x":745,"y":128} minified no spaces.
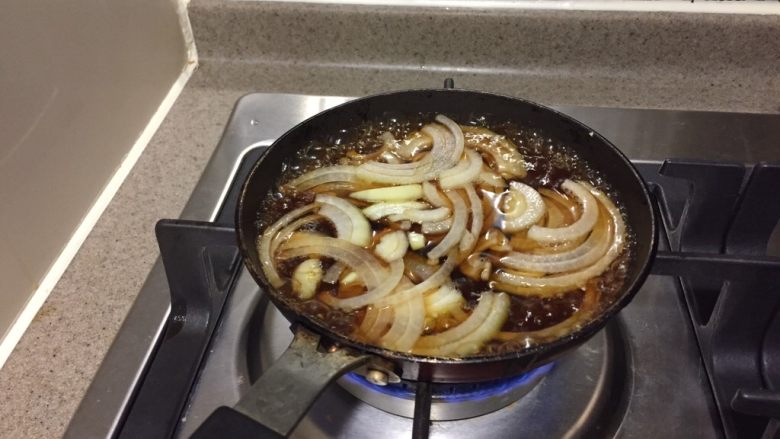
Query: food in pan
{"x":438,"y":239}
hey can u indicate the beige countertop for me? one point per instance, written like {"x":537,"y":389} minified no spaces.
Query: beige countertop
{"x":48,"y":373}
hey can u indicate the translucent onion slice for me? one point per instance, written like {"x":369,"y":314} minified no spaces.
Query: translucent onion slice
{"x":381,"y":210}
{"x":474,"y":321}
{"x":433,"y":196}
{"x":465,"y":172}
{"x":579,"y":228}
{"x":325,"y":175}
{"x":443,"y":301}
{"x":405,"y":173}
{"x":392,"y":246}
{"x":586,"y":254}
{"x":288,"y":231}
{"x":421,"y":216}
{"x":466,"y":242}
{"x":333,"y":273}
{"x":490,"y":179}
{"x":415,"y":325}
{"x":447,"y":149}
{"x":264,"y":244}
{"x":358,"y":259}
{"x":407,"y":326}
{"x":550,"y":285}
{"x":437,"y":226}
{"x":437,"y":279}
{"x":476,"y":214}
{"x":450,"y":157}
{"x":360,"y":232}
{"x":339,"y":219}
{"x":410,"y":147}
{"x":387,"y":285}
{"x":504,"y":154}
{"x":473,"y":342}
{"x":454,"y":235}
{"x":477,"y":266}
{"x":409,"y":192}
{"x":417,"y":267}
{"x":377,"y":328}
{"x":533,"y":212}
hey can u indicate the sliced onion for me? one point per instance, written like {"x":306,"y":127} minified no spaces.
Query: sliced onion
{"x":408,"y":324}
{"x":477,"y":266}
{"x":417,"y":267}
{"x":377,"y":328}
{"x":339,"y":219}
{"x":466,"y":242}
{"x":409,"y":192}
{"x":415,"y":325}
{"x":437,"y":226}
{"x":333,"y":273}
{"x":264,"y":245}
{"x":473,"y":342}
{"x":494,"y":240}
{"x":443,"y":301}
{"x":586,"y":254}
{"x":381,"y":210}
{"x":533,"y":212}
{"x":438,"y":278}
{"x":388,"y":284}
{"x":447,"y":149}
{"x":325,"y":175}
{"x":358,"y":259}
{"x":465,"y":172}
{"x":454,"y":235}
{"x":475,"y":320}
{"x":288,"y":231}
{"x":410,"y":147}
{"x":579,"y":228}
{"x":433,"y":196}
{"x":392,"y":246}
{"x":504,"y":154}
{"x":449,"y":157}
{"x":360,"y":230}
{"x":421,"y":216}
{"x":491,"y":179}
{"x":476,"y":215}
{"x":550,"y":285}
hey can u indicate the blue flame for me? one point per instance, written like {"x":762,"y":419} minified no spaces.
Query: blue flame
{"x":457,"y":392}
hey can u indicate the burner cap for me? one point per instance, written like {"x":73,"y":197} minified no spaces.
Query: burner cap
{"x":449,"y":401}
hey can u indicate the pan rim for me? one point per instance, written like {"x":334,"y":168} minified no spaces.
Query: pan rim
{"x":583,"y":333}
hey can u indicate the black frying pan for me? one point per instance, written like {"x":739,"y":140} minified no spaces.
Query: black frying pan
{"x":318,"y":355}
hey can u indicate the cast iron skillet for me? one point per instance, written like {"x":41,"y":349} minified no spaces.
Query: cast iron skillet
{"x":318,"y":355}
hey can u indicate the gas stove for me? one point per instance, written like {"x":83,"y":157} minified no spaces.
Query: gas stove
{"x":689,"y":357}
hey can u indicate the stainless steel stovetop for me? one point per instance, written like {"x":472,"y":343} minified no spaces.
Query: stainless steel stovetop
{"x":642,"y":377}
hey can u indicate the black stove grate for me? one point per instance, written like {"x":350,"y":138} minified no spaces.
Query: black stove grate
{"x":729,"y":213}
{"x":719,"y":218}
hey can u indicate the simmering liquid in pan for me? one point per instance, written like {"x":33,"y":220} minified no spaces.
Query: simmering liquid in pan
{"x":444,"y":238}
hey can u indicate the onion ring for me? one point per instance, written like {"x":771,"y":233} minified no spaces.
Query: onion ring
{"x":579,"y":228}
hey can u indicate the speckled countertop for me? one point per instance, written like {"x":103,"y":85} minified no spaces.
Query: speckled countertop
{"x":712,"y":62}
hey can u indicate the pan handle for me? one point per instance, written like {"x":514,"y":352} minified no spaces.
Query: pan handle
{"x":281,"y":397}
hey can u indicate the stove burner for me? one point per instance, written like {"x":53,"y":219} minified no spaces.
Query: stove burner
{"x":449,"y":401}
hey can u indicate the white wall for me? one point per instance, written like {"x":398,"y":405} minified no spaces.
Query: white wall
{"x":79,"y":82}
